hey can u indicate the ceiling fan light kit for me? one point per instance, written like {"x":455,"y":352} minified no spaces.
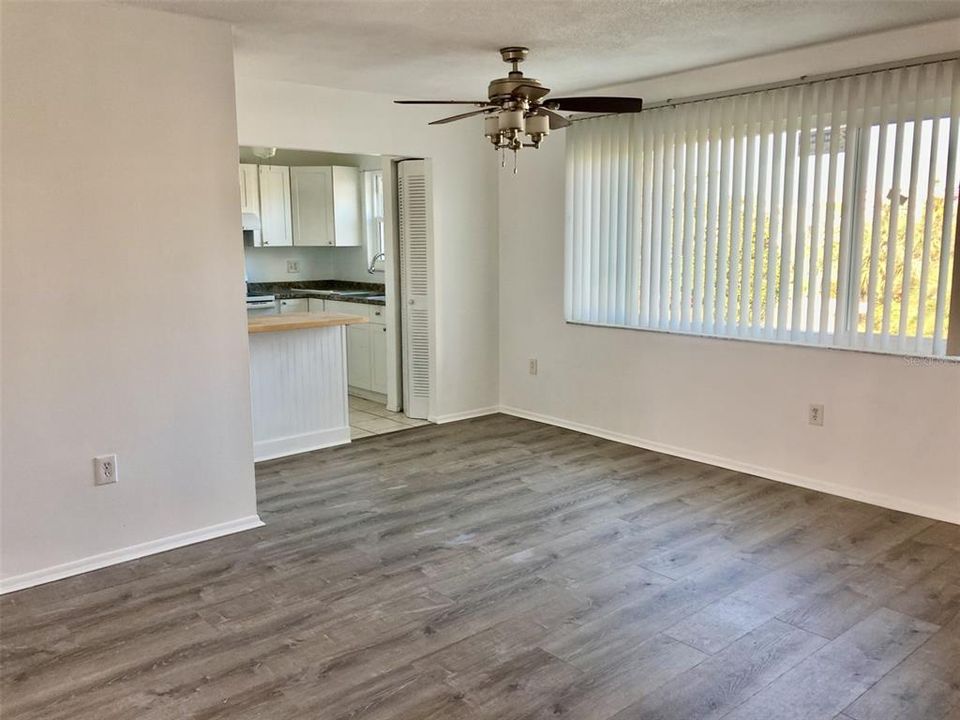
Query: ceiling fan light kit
{"x":517,"y":108}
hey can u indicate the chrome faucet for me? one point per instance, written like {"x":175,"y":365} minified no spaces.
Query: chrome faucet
{"x":373,"y":263}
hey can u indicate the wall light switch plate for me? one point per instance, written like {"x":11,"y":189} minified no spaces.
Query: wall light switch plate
{"x":293,"y":266}
{"x":105,"y":469}
{"x":815,"y":416}
{"x":533,"y":366}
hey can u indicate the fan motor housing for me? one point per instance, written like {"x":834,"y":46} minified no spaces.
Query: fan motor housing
{"x":507,"y":88}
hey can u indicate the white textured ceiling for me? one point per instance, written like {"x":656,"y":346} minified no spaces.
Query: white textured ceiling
{"x":447,"y":48}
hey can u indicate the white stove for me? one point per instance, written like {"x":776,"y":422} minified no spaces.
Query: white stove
{"x":262,"y":304}
{"x":260,"y":298}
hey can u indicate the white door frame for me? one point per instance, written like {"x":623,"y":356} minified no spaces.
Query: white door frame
{"x":391,"y":279}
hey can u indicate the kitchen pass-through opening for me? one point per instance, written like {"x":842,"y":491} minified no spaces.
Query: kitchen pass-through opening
{"x":349,"y":234}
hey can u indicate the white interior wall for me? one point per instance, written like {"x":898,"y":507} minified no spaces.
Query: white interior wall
{"x":316,"y":263}
{"x":291,"y":115}
{"x":124,"y":329}
{"x":891,"y":424}
{"x":270,"y":264}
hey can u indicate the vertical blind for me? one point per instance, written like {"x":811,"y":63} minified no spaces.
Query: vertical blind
{"x":819,"y":213}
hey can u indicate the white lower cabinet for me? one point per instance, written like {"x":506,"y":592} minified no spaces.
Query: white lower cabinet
{"x":347,"y":308}
{"x":292,"y":305}
{"x":359,"y":370}
{"x":315,"y":305}
{"x":366,"y":344}
{"x":378,"y":357}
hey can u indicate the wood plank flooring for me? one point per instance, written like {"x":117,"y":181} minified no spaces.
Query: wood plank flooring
{"x":500,"y":568}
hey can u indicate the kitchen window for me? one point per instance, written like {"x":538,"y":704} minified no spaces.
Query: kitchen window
{"x":373,"y":217}
{"x":820,"y":213}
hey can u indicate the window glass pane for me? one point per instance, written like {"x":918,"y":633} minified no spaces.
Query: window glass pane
{"x":373,"y":211}
{"x":925,"y":244}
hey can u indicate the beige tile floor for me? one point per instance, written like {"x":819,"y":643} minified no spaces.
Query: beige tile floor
{"x":369,"y":418}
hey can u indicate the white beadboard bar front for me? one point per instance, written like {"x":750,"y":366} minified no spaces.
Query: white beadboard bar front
{"x":298,"y":385}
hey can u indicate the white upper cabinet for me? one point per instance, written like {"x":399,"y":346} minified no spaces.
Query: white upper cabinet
{"x":312,"y":203}
{"x":275,"y":221}
{"x":249,"y":189}
{"x":326,"y":206}
{"x":347,"y":217}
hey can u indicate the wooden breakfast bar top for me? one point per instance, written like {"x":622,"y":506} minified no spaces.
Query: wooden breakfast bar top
{"x":300,"y":321}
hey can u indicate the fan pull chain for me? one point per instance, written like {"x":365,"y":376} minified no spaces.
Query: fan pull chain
{"x":503,"y":158}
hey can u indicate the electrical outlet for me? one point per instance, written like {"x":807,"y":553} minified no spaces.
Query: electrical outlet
{"x":815,"y":416}
{"x":293,"y":266}
{"x":105,"y":469}
{"x":533,"y":366}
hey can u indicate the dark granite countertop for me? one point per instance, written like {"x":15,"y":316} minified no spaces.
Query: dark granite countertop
{"x":332,"y":290}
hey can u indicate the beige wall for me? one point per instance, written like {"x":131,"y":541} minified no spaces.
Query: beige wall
{"x":892,"y":432}
{"x":307,"y":117}
{"x":123,"y":322}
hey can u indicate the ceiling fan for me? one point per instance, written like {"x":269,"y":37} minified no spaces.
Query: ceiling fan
{"x":518,"y":106}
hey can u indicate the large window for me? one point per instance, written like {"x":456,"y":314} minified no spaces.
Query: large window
{"x":821,"y":213}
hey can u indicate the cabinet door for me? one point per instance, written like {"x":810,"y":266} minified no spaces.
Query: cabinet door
{"x":311,"y":191}
{"x":276,"y":225}
{"x":348,"y":222}
{"x":249,"y":189}
{"x":315,"y":305}
{"x":378,"y":358}
{"x":347,"y":308}
{"x":294,"y":305}
{"x":358,"y":356}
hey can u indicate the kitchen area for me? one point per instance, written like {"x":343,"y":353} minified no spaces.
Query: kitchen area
{"x":316,"y":249}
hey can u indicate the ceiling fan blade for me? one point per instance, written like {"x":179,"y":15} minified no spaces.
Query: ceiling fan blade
{"x":442,"y":102}
{"x":597,"y":104}
{"x":533,"y":93}
{"x":461,"y":116}
{"x":557,"y":121}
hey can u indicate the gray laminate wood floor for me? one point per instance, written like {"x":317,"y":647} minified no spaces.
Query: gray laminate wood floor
{"x":499,"y":568}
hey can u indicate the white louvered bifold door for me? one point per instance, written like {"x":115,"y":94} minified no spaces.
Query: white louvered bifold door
{"x":416,"y":284}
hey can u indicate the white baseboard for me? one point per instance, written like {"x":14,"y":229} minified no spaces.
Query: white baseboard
{"x":892,"y":502}
{"x":294,"y":444}
{"x":465,"y":415}
{"x":132,"y":552}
